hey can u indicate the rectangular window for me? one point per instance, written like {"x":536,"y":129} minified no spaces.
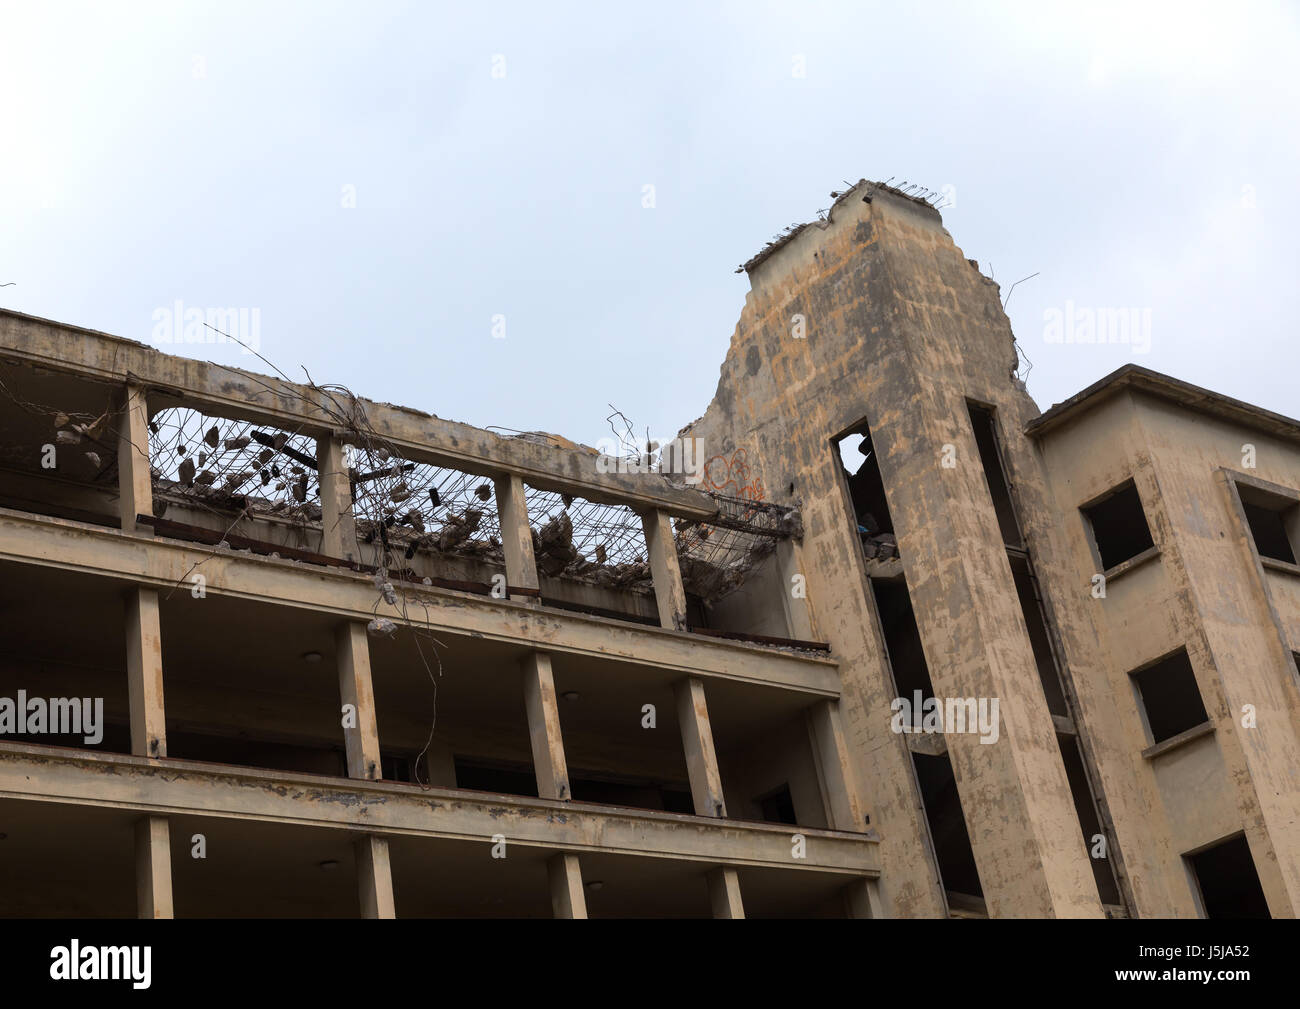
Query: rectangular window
{"x":1119,"y":525}
{"x":1170,"y":698}
{"x":1229,"y":884}
{"x":875,"y":527}
{"x":986,"y":439}
{"x":1274,"y":523}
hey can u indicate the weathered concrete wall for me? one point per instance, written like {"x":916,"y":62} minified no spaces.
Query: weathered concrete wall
{"x":900,"y":330}
{"x":1205,"y":591}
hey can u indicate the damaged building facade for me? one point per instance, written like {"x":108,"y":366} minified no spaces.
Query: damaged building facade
{"x":901,"y":646}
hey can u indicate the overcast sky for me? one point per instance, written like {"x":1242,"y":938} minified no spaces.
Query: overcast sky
{"x":1134,"y":156}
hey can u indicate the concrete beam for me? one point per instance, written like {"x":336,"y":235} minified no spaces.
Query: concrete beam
{"x":153,"y":867}
{"x":516,"y":533}
{"x":670,"y":593}
{"x":697,"y":738}
{"x":338,"y":524}
{"x":568,"y":900}
{"x":144,"y":674}
{"x":724,"y":894}
{"x":374,"y":877}
{"x":834,"y":766}
{"x":360,"y":724}
{"x":135,"y":485}
{"x":163,"y":563}
{"x":189,"y":788}
{"x":420,"y":437}
{"x":544,"y":726}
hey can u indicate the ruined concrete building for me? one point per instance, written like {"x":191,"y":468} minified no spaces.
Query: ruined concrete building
{"x":899,"y":646}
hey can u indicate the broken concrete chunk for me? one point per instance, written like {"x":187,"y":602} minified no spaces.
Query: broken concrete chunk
{"x":205,"y":479}
{"x":238,"y":443}
{"x":186,"y":472}
{"x":381,"y":625}
{"x":264,"y":456}
{"x":483,"y":491}
{"x":94,"y":459}
{"x":67,"y":438}
{"x":400,"y":493}
{"x":213,"y":437}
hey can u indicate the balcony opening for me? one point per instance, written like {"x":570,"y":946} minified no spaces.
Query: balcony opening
{"x":943,"y":812}
{"x":1119,"y":525}
{"x":875,"y":525}
{"x":986,"y":438}
{"x":1031,"y":606}
{"x":902,"y":638}
{"x":1170,"y":698}
{"x":1103,"y":869}
{"x":1274,"y":523}
{"x":1229,"y":884}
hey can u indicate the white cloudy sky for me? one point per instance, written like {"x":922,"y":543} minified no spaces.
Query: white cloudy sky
{"x":1133,"y":155}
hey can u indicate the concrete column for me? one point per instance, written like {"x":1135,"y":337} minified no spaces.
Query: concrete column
{"x":144,"y":675}
{"x":670,"y":594}
{"x":339,"y":529}
{"x":153,"y":868}
{"x":361,"y":740}
{"x":567,"y":897}
{"x":862,"y":899}
{"x":697,"y":737}
{"x":135,"y":486}
{"x":375,"y":877}
{"x":516,"y":534}
{"x":798,"y":614}
{"x":724,"y":893}
{"x":831,"y":753}
{"x":544,"y":726}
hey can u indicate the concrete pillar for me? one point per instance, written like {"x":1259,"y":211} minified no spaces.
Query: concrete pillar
{"x":374,"y":877}
{"x":362,"y":738}
{"x":153,"y":868}
{"x":544,"y":726}
{"x":670,"y":594}
{"x":724,"y":894}
{"x":567,"y":897}
{"x":144,"y":675}
{"x":834,"y":769}
{"x":697,"y":737}
{"x":516,"y":534}
{"x":794,"y":594}
{"x":338,"y":524}
{"x":135,"y":486}
{"x":862,"y":899}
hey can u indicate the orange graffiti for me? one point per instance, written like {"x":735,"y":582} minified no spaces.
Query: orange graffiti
{"x":732,"y":476}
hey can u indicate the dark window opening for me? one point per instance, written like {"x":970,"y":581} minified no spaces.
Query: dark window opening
{"x":875,"y":526}
{"x":952,"y":846}
{"x":1119,"y":526}
{"x":507,"y":780}
{"x":1228,"y":881}
{"x":902,"y":638}
{"x":1268,"y":527}
{"x":630,"y":793}
{"x":1103,"y":869}
{"x":1036,"y":623}
{"x":395,"y":768}
{"x":994,"y":475}
{"x":245,"y":751}
{"x":778,"y":806}
{"x":1170,"y":697}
